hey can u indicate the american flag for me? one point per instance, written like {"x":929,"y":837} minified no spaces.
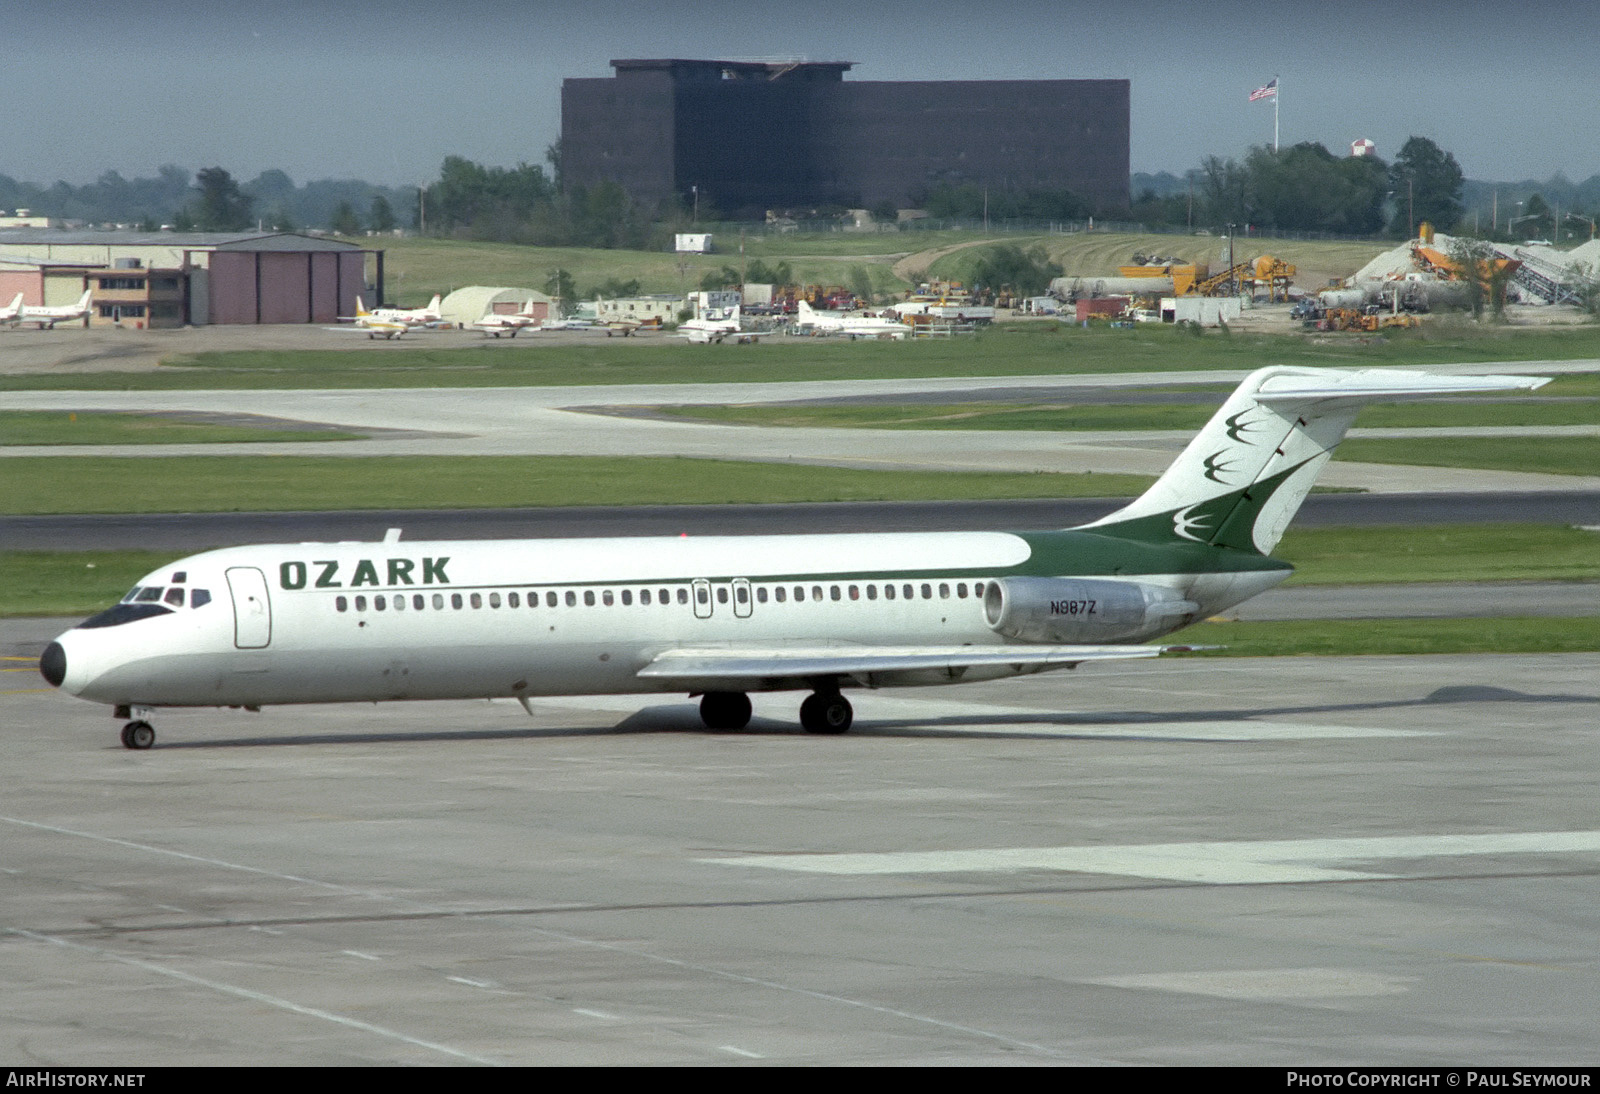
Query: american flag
{"x":1268,"y":92}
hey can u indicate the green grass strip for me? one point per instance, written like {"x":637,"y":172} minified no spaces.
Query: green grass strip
{"x":1058,"y":418}
{"x":213,"y":484}
{"x":1549,"y":455}
{"x":1347,"y":637}
{"x":1444,"y":552}
{"x":95,"y":427}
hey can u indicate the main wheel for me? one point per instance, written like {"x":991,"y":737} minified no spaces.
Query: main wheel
{"x":826,"y":714}
{"x":138,"y":735}
{"x":725,"y":709}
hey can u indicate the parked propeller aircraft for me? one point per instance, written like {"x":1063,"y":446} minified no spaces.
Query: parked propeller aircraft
{"x":851,"y":326}
{"x":412,"y":317}
{"x":722,"y":616}
{"x":47,"y":317}
{"x":495,"y":325}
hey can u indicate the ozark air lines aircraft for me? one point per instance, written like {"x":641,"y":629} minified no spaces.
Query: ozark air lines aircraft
{"x":722,"y":616}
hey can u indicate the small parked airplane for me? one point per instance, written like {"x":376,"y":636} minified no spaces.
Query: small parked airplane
{"x":410,"y":317}
{"x":48,"y":317}
{"x":722,"y":616}
{"x":495,"y":325}
{"x":851,"y":326}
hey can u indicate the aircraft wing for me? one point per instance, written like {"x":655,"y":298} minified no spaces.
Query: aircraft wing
{"x":778,"y":667}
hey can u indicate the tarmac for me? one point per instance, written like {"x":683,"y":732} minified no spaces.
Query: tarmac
{"x":1288,"y":862}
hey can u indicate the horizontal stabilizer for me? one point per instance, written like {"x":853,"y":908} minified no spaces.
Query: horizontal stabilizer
{"x":1372,"y":385}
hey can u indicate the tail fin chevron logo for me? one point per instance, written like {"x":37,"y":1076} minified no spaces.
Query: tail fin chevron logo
{"x":1216,"y":467}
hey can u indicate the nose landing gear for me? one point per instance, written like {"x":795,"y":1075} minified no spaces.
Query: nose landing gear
{"x":137,"y":734}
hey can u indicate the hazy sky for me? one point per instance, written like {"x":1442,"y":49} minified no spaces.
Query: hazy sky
{"x":384,"y":91}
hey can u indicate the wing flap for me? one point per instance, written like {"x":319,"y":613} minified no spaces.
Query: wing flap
{"x":870,"y":666}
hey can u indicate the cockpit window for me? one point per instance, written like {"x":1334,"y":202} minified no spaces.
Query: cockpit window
{"x":133,"y":592}
{"x":123,"y":613}
{"x":174,"y":596}
{"x":199,"y":598}
{"x":148,"y":593}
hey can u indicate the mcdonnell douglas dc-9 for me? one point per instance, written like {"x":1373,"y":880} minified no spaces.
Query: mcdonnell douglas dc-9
{"x":720,"y":617}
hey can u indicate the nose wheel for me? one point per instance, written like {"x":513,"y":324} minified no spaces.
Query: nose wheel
{"x":138,"y":735}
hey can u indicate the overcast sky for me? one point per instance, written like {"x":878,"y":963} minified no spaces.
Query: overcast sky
{"x":384,"y":91}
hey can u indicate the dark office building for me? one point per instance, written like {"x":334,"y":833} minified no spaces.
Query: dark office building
{"x":754,"y":135}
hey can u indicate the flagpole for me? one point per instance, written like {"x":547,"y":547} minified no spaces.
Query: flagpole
{"x":1277,"y":87}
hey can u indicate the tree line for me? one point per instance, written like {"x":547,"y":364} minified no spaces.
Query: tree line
{"x":1306,"y":188}
{"x":212,"y":200}
{"x":1301,"y":188}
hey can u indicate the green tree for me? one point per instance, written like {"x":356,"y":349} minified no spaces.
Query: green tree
{"x":560,"y":286}
{"x":1427,"y":185}
{"x":759,"y":273}
{"x":1226,"y":194}
{"x":861,"y":285}
{"x":381,"y":216}
{"x":725,"y":278}
{"x":1027,"y":273}
{"x":1308,"y":188}
{"x":344,"y":221}
{"x":220,"y":207}
{"x":1485,"y":274}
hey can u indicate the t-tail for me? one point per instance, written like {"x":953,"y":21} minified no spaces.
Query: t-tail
{"x":1241,"y":480}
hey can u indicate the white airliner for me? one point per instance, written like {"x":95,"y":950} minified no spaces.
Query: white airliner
{"x":12,"y":312}
{"x":723,"y":616}
{"x":47,"y":317}
{"x":495,"y":325}
{"x":852,"y":326}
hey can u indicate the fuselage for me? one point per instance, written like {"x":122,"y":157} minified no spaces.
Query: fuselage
{"x":303,"y":623}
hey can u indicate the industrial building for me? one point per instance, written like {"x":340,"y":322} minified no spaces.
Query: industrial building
{"x":173,"y":279}
{"x":749,"y":136}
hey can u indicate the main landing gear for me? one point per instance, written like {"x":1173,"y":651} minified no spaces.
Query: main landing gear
{"x":137,"y":734}
{"x":824,"y":712}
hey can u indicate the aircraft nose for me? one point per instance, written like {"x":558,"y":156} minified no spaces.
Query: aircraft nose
{"x":53,"y":664}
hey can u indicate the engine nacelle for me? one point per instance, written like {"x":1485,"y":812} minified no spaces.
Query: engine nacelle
{"x":1082,"y":610}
